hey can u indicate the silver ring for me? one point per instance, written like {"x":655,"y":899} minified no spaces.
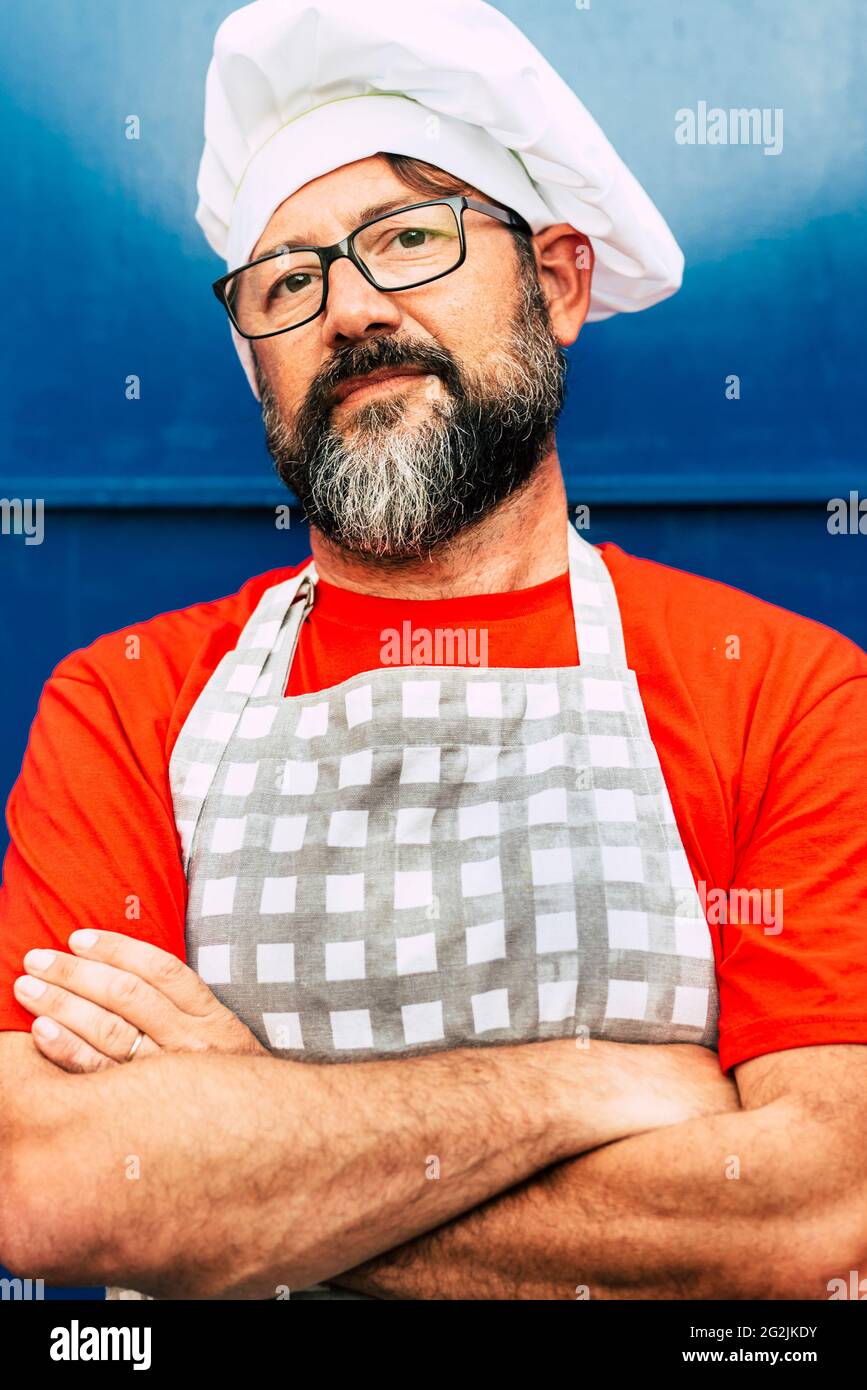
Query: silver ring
{"x":135,"y":1047}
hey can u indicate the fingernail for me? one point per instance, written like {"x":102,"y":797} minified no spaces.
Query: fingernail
{"x":39,"y":960}
{"x":85,"y":939}
{"x":46,"y":1028}
{"x":32,"y":988}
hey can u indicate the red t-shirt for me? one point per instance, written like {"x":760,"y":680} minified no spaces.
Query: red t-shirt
{"x":759,"y":718}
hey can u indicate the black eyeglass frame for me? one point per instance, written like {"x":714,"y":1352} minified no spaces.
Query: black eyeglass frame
{"x":458,"y":202}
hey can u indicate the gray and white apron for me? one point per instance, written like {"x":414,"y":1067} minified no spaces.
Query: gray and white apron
{"x":424,"y":858}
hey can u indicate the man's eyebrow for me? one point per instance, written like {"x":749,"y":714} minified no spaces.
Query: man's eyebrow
{"x":365,"y":215}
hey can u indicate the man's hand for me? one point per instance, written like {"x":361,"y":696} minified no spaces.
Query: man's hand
{"x":90,"y":1006}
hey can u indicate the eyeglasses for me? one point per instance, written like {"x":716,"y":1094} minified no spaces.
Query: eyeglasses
{"x":399,"y":251}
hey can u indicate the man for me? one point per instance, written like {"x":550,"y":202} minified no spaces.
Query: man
{"x":492,"y":872}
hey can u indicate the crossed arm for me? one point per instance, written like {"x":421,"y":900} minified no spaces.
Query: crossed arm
{"x":210,"y":1175}
{"x":768,"y":1202}
{"x":619,"y":1170}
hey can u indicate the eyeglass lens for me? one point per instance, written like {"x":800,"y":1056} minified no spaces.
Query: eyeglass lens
{"x":399,"y":251}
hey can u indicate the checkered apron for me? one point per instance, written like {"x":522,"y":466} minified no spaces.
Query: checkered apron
{"x":423,"y":858}
{"x":430,"y":857}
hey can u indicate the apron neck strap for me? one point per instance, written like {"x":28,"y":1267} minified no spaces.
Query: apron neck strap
{"x":594,"y":606}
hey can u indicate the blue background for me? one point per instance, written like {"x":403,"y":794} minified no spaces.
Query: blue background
{"x":158,"y":503}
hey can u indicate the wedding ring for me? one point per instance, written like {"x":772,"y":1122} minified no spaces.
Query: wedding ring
{"x":135,"y":1047}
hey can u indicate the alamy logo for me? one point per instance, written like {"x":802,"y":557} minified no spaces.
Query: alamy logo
{"x":433,"y":646}
{"x":747,"y":906}
{"x":847,"y":516}
{"x":76,"y":1343}
{"x":741,"y":125}
{"x":23,"y":516}
{"x":855,"y":1289}
{"x":22,"y":1290}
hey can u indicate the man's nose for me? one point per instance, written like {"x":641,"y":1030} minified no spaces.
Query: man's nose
{"x":356,"y":309}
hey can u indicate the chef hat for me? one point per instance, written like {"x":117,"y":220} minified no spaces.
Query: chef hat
{"x":297,"y":88}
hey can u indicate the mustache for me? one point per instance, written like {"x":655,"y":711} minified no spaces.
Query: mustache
{"x":359,"y":359}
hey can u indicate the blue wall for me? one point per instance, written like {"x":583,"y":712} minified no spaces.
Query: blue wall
{"x":161,"y":502}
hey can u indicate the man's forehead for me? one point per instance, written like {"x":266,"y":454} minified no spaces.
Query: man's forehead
{"x":328,"y":207}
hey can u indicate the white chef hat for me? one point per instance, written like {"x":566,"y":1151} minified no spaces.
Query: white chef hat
{"x":297,"y":88}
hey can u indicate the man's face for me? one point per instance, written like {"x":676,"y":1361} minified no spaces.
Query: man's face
{"x":467,"y":384}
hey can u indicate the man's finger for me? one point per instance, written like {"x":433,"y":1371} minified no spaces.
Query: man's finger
{"x":165,"y":972}
{"x":107,"y":1032}
{"x":66,"y":1050}
{"x":129,"y":996}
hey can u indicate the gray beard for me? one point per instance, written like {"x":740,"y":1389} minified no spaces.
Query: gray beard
{"x":385,"y":489}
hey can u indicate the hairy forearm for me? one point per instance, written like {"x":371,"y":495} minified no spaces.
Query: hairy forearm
{"x":744,"y":1205}
{"x":206,"y":1175}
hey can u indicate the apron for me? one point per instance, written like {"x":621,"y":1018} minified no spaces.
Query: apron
{"x":433,"y":857}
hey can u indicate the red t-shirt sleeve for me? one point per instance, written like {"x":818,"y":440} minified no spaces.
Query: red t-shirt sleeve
{"x":798,"y":977}
{"x":93,"y":839}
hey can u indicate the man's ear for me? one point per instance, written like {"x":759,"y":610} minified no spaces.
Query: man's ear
{"x":564,"y":262}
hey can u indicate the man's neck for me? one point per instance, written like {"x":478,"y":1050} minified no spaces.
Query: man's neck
{"x":521,"y":543}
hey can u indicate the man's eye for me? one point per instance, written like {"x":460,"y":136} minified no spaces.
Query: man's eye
{"x":412,"y":237}
{"x":291,"y":284}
